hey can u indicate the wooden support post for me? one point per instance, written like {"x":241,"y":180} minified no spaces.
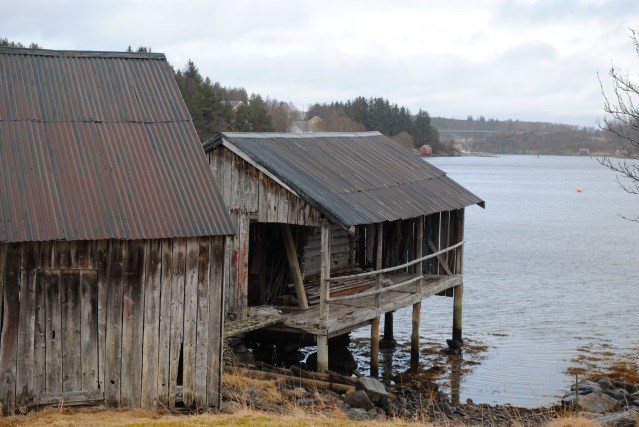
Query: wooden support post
{"x":457,"y":312}
{"x":322,"y":353}
{"x":389,"y":339}
{"x":375,"y":347}
{"x":375,"y":321}
{"x":419,"y":250}
{"x":414,"y":337}
{"x":378,"y":260}
{"x":325,"y":273}
{"x":417,"y":307}
{"x":291,"y":254}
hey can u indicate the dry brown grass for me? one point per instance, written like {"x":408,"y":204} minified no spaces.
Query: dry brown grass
{"x":572,"y":422}
{"x":326,"y":413}
{"x":131,"y":417}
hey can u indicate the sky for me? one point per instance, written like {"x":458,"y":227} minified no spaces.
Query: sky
{"x":517,"y":59}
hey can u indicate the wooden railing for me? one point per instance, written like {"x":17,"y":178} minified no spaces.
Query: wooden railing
{"x":326,"y":280}
{"x":378,"y":274}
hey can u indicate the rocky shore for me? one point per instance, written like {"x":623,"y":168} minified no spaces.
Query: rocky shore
{"x":607,"y":401}
{"x":413,"y":396}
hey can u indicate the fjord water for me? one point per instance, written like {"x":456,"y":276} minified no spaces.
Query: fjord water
{"x":549,"y":273}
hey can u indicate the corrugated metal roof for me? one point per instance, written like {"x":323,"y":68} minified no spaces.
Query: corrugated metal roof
{"x":352,"y":178}
{"x":99,"y":145}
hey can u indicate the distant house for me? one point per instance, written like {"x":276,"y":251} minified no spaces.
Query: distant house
{"x":583,"y":152}
{"x":235,"y":105}
{"x":304,"y":126}
{"x":425,"y":150}
{"x":112,"y":236}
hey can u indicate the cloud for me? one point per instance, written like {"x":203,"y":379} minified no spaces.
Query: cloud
{"x":503,"y":59}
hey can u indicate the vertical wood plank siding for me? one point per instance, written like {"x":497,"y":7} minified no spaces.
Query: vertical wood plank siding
{"x":249,"y":194}
{"x":110,"y":322}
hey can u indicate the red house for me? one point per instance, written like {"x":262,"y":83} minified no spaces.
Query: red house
{"x":426,"y":150}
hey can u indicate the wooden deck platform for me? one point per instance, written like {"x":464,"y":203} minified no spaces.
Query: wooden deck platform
{"x":345,"y":316}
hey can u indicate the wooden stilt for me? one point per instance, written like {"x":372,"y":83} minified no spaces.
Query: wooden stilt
{"x":417,"y":307}
{"x":389,"y":339}
{"x":375,"y":347}
{"x":457,"y":312}
{"x":414,"y":337}
{"x":375,"y":321}
{"x":325,"y":273}
{"x":322,"y":353}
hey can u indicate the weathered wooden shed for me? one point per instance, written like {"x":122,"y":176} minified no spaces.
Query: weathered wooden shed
{"x":112,"y":236}
{"x":354,"y":235}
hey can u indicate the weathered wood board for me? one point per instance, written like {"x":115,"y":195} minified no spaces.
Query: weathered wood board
{"x":121,"y":323}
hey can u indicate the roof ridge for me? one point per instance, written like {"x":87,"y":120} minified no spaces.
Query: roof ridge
{"x":5,"y":50}
{"x":92,"y":121}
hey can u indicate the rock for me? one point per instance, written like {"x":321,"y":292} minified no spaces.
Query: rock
{"x":359,"y":399}
{"x":455,"y":344}
{"x":358,"y":414}
{"x":586,"y":387}
{"x":629,"y":387}
{"x":605,"y":383}
{"x":372,"y":413}
{"x":619,"y":419}
{"x":374,"y":389}
{"x":330,"y":394}
{"x":230,"y":407}
{"x":568,"y":399}
{"x":598,"y":403}
{"x":618,"y":393}
{"x":380,"y":418}
{"x":307,"y":401}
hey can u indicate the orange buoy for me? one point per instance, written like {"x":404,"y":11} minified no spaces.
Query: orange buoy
{"x":579,"y":190}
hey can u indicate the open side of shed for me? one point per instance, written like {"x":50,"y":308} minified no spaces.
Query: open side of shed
{"x":328,"y":278}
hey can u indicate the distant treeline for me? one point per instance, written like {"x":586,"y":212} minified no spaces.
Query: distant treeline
{"x":397,"y":122}
{"x":521,"y":137}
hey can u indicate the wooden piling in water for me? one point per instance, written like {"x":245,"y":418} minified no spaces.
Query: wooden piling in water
{"x":417,"y":308}
{"x":375,"y":321}
{"x":325,"y":273}
{"x":414,"y":337}
{"x":458,"y":292}
{"x":375,"y":347}
{"x":389,"y":338}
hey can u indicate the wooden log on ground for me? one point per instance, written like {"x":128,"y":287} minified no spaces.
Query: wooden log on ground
{"x":328,"y":376}
{"x":289,"y":379}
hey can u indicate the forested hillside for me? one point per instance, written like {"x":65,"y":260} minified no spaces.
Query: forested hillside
{"x":521,"y":137}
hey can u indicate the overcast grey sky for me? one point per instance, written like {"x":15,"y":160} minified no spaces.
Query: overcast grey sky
{"x":519,"y":59}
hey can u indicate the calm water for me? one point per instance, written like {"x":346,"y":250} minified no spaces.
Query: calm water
{"x":549,"y":272}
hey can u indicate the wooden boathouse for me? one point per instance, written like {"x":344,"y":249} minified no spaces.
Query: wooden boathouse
{"x":112,"y":236}
{"x":336,"y":238}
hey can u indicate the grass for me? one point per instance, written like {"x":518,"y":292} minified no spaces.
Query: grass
{"x":244,"y":390}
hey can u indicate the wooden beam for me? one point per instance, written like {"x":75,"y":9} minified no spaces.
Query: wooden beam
{"x":440,"y":258}
{"x":291,"y":254}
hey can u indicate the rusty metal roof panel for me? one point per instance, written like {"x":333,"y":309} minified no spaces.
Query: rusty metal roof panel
{"x":99,"y":145}
{"x":353,"y":178}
